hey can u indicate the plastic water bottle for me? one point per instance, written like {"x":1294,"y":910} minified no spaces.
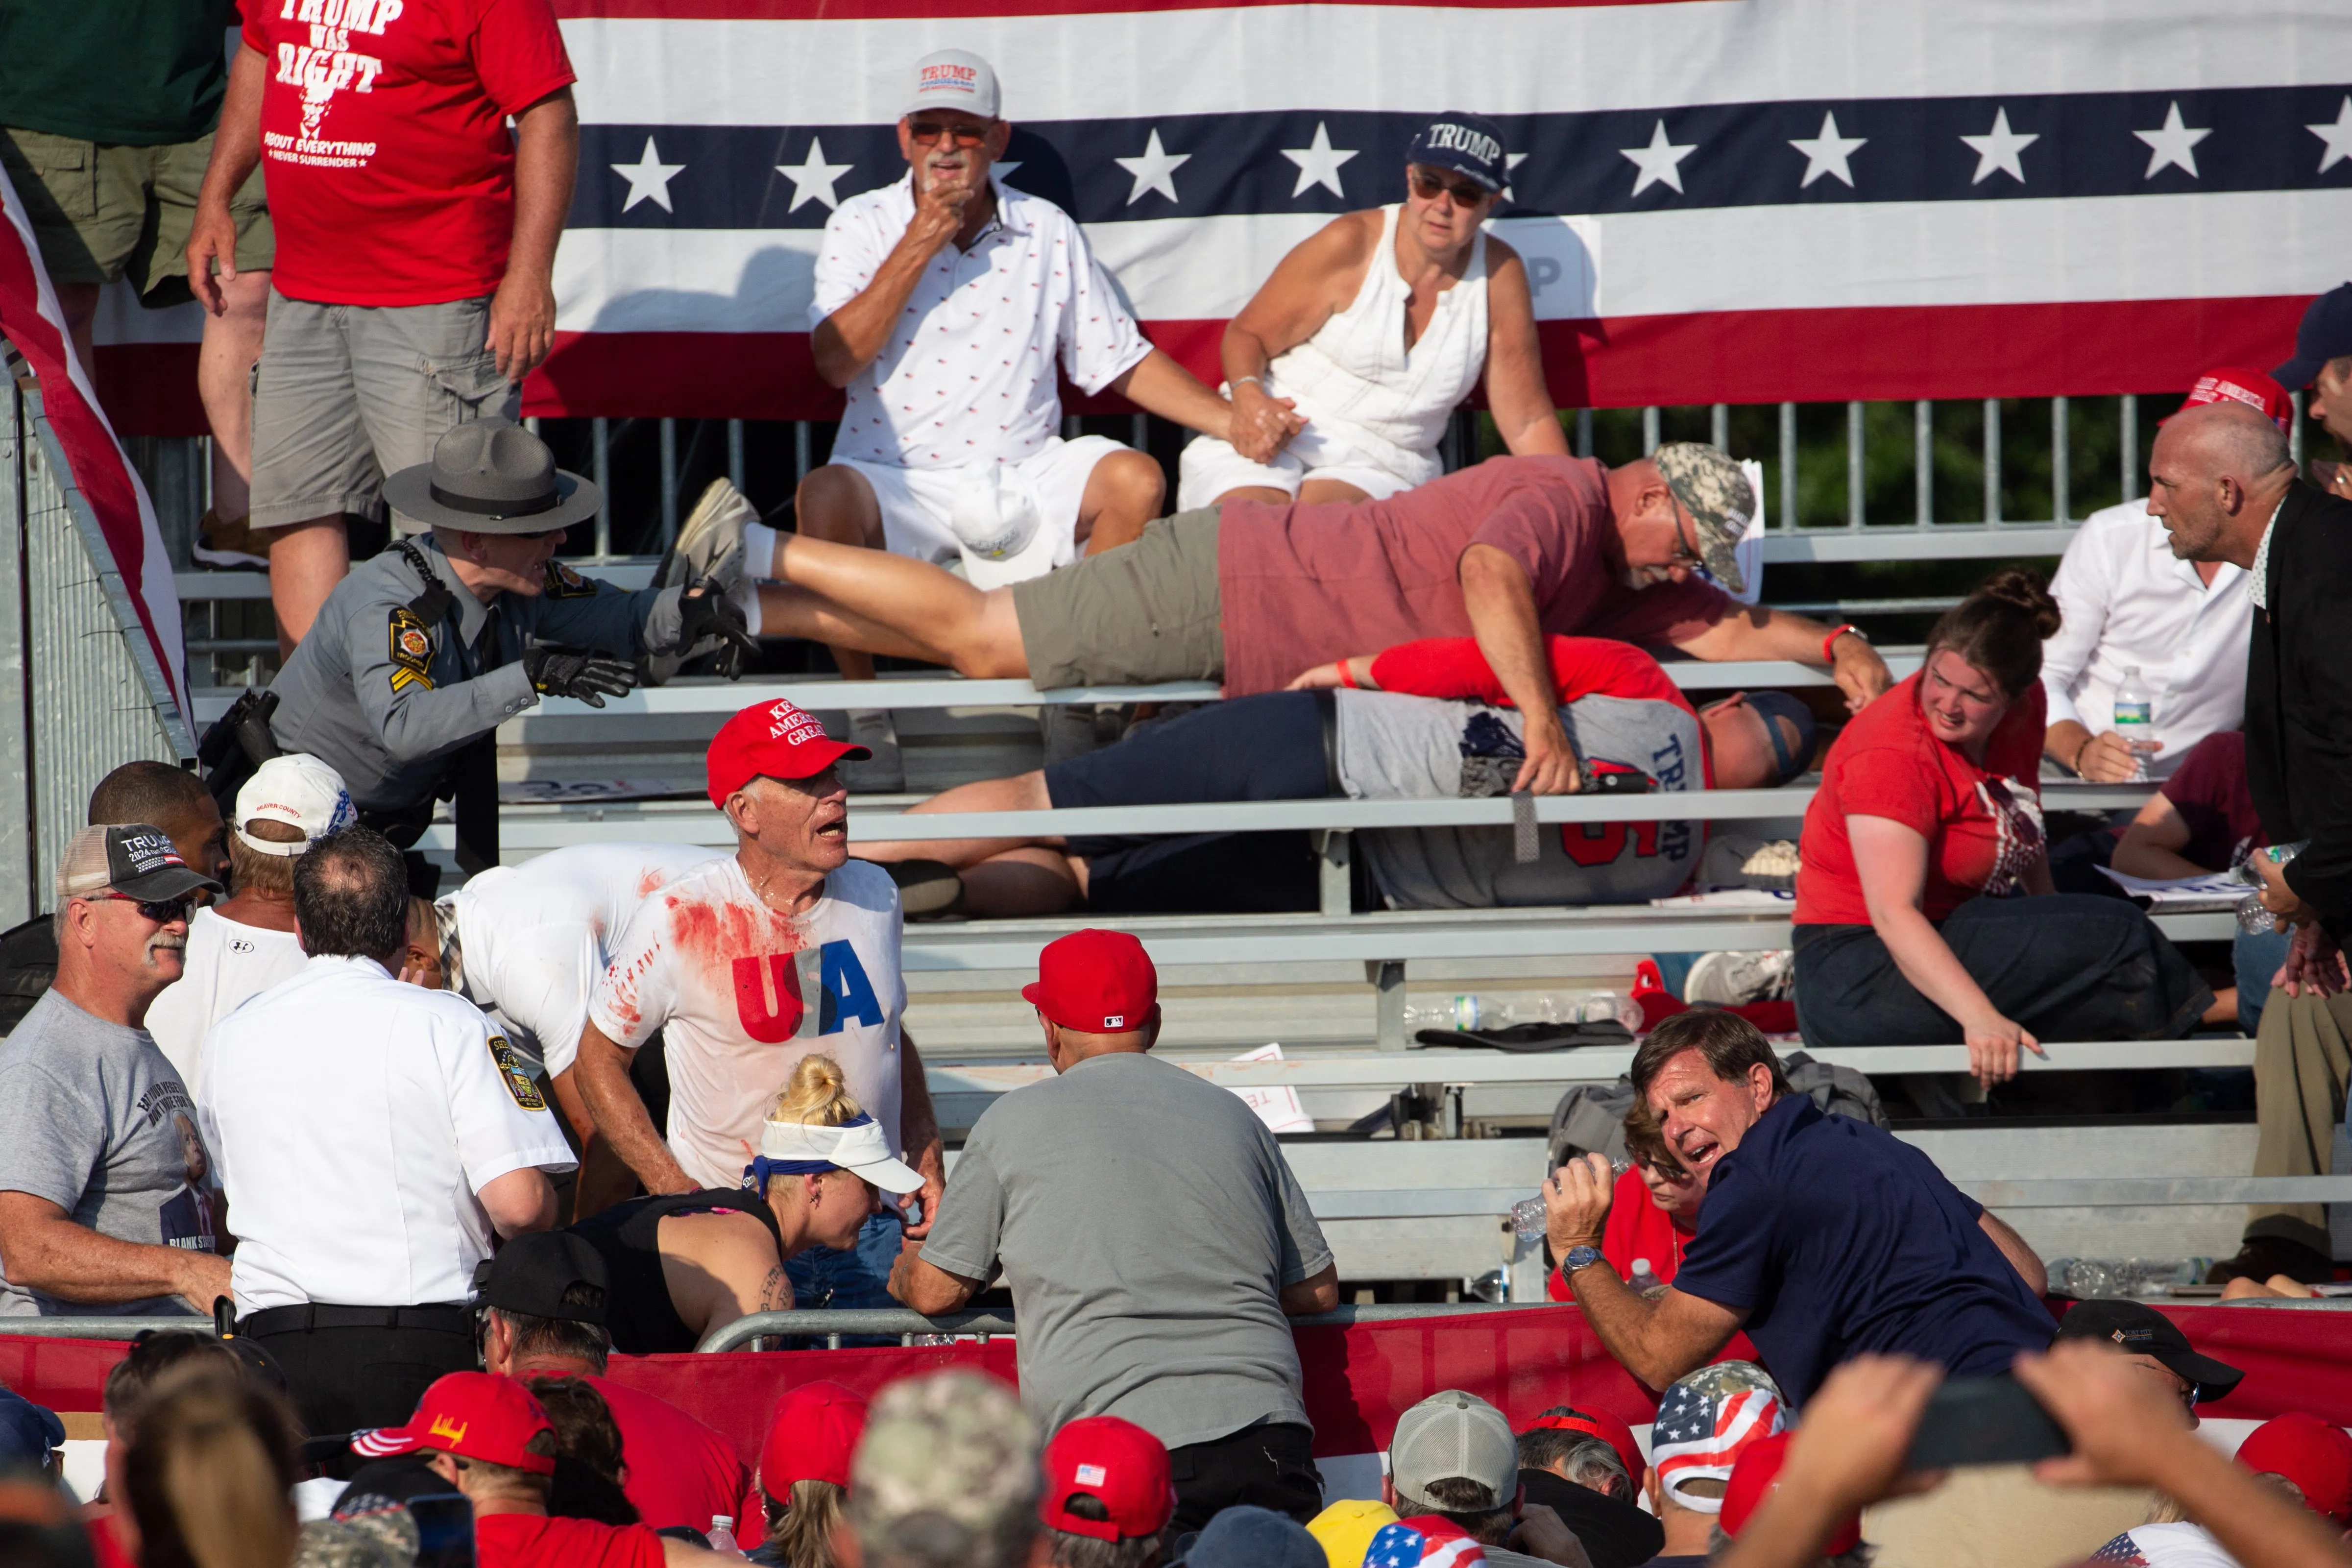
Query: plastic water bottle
{"x":2135,"y":714}
{"x":722,"y":1536}
{"x":1470,"y":1011}
{"x":1527,"y":1214}
{"x":2252,"y":918}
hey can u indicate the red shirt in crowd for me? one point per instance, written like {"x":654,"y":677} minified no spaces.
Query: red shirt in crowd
{"x":1888,"y":763}
{"x":384,"y":144}
{"x":1300,"y":585}
{"x":1638,"y":1227}
{"x":536,"y":1541}
{"x":680,"y":1471}
{"x":2208,"y":790}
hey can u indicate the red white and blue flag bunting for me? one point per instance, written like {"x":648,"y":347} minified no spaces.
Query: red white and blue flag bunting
{"x":1719,"y":201}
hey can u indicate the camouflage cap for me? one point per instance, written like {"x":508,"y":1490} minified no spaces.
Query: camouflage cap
{"x":381,"y":1537}
{"x":1718,"y":497}
{"x":947,"y":1461}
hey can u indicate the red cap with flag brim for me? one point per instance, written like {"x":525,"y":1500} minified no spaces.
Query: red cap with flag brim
{"x":771,"y":741}
{"x":475,"y":1415}
{"x":1753,"y":1477}
{"x":812,"y":1437}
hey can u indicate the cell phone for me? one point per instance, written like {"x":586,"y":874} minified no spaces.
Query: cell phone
{"x":1984,"y":1421}
{"x":1620,"y":783}
{"x":445,"y":1529}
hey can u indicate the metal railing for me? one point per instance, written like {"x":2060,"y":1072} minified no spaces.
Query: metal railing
{"x":831,"y":1324}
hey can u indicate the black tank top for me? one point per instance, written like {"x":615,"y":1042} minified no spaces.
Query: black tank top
{"x":639,"y":1313}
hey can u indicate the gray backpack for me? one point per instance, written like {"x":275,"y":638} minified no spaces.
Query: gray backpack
{"x":1591,"y":1117}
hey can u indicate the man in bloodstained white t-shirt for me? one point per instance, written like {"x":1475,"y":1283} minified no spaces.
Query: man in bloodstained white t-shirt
{"x":747,"y":965}
{"x":947,"y":305}
{"x":239,"y":949}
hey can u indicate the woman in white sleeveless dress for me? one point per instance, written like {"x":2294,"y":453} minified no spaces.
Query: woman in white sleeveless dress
{"x":1374,"y":329}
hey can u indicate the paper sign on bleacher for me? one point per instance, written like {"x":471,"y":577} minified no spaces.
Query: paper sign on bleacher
{"x":1279,"y":1107}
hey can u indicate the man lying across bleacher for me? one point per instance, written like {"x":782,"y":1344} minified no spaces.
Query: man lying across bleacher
{"x":1418,"y":721}
{"x":1250,"y":594}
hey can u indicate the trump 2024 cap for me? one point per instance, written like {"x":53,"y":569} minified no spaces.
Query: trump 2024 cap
{"x":1095,"y":981}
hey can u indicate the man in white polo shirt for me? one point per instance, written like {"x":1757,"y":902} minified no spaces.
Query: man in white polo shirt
{"x":528,"y":945}
{"x":370,"y":1136}
{"x":946,"y":306}
{"x":241,"y":948}
{"x":748,"y":964}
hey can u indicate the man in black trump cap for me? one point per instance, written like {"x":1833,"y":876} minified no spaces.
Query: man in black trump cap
{"x":543,"y":1315}
{"x":2155,"y":1343}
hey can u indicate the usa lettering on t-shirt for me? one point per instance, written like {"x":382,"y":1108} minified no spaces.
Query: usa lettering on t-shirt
{"x":769,"y":988}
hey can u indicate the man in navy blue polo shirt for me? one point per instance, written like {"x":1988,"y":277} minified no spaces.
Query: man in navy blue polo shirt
{"x":1822,"y":1236}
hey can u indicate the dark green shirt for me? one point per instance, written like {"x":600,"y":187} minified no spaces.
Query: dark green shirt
{"x":145,"y":72}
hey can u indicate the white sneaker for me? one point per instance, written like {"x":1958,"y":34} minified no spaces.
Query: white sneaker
{"x":884,"y":773}
{"x":709,"y":546}
{"x":1727,"y":979}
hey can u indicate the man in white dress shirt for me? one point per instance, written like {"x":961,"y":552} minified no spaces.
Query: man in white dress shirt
{"x":945,"y":304}
{"x":2129,"y":604}
{"x":241,"y":948}
{"x":370,"y":1135}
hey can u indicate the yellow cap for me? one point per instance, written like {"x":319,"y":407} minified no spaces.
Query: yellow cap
{"x":1345,"y":1528}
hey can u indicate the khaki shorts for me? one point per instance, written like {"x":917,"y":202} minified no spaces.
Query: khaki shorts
{"x":1134,"y":616}
{"x":345,"y":394}
{"x":102,"y":210}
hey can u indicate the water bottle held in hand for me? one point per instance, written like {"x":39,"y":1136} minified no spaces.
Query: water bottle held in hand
{"x":1527,"y":1214}
{"x":2252,"y":918}
{"x":722,"y":1536}
{"x":2135,"y":714}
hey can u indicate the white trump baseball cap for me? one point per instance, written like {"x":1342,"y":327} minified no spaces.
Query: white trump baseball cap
{"x":953,"y":78}
{"x":299,"y":790}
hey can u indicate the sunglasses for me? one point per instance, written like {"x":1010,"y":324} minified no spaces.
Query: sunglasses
{"x":162,"y":910}
{"x":924,"y":132}
{"x":1683,"y":554}
{"x":1428,"y":185}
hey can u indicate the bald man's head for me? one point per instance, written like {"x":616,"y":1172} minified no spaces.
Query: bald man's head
{"x":2216,"y":474}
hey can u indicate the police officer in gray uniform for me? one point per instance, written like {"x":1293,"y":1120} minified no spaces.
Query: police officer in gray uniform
{"x":420,"y":654}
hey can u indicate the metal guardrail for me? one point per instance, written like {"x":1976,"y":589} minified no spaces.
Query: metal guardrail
{"x":98,"y":1327}
{"x":831,"y":1325}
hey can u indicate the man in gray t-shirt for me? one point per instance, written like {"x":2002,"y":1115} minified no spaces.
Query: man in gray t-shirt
{"x":107,"y":1200}
{"x":1154,"y":1239}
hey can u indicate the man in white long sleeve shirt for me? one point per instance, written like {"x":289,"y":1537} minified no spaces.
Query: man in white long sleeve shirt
{"x":2129,"y":604}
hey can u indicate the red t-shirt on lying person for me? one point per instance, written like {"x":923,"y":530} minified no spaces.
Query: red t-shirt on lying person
{"x":2208,"y":790}
{"x":1982,"y":823}
{"x":535,"y":1540}
{"x":680,"y":1470}
{"x":1301,"y":585}
{"x":385,"y":146}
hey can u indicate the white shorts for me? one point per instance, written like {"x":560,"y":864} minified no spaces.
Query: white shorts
{"x":1210,"y":467}
{"x":917,"y":503}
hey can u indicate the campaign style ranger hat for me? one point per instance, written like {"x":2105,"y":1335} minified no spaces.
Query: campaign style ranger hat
{"x":1117,"y":1463}
{"x":1719,"y":499}
{"x":475,"y":1415}
{"x":491,"y":478}
{"x":772,"y":740}
{"x":137,"y":860}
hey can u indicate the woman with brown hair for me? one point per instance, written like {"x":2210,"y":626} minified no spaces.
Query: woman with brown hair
{"x":1926,"y":915}
{"x":206,"y":1476}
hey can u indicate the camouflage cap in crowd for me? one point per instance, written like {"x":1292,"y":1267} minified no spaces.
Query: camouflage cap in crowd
{"x":1719,"y":498}
{"x":948,"y":1463}
{"x":381,"y":1536}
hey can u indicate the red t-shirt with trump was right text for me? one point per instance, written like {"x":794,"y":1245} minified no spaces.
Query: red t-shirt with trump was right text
{"x":384,"y":144}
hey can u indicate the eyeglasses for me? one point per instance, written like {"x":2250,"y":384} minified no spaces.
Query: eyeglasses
{"x":1683,"y":554}
{"x":923,"y":132}
{"x":1428,"y":184}
{"x":162,"y":910}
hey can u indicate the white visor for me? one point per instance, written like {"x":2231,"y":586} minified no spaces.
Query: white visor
{"x":857,"y":1146}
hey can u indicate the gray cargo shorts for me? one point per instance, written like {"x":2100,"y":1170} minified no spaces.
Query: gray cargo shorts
{"x":1142,"y":613}
{"x":345,"y":394}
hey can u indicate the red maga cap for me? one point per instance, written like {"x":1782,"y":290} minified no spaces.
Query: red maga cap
{"x":1609,"y":1429}
{"x":2239,"y":383}
{"x":811,"y":1438}
{"x":775,"y":740}
{"x":474,"y":1415}
{"x":1095,"y":981}
{"x":1116,"y":1463}
{"x":2316,"y":1456}
{"x":1753,"y":1477}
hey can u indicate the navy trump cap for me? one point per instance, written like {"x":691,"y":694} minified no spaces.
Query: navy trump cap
{"x":1469,"y":144}
{"x":2326,"y":334}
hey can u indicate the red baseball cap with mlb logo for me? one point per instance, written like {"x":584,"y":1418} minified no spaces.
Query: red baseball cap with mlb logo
{"x":774,"y":740}
{"x":475,"y":1415}
{"x":1117,"y":1463}
{"x":1096,"y":982}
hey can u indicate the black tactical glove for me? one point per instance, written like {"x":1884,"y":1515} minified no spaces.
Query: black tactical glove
{"x":709,"y":613}
{"x":590,"y":677}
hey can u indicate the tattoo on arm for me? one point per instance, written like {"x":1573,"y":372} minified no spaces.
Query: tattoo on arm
{"x":776,"y":1292}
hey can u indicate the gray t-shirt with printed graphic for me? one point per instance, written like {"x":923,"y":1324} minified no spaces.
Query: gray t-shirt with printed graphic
{"x":95,"y":1119}
{"x":1392,"y":746}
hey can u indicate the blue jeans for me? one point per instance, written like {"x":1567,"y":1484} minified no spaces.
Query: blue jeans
{"x":2256,"y":956}
{"x":857,"y":1277}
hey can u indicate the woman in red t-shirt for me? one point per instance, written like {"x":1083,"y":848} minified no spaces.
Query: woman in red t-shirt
{"x":1911,"y":923}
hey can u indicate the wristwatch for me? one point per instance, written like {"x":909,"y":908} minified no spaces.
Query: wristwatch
{"x":1580,"y":1257}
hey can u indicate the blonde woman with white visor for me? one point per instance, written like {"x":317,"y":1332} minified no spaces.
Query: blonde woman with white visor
{"x":687,"y":1263}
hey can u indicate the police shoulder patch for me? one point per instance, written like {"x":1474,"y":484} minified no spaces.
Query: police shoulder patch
{"x":519,"y":1084}
{"x":562,"y":582}
{"x":412,"y":651}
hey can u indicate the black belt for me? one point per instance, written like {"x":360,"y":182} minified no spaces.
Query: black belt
{"x":312,"y":1315}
